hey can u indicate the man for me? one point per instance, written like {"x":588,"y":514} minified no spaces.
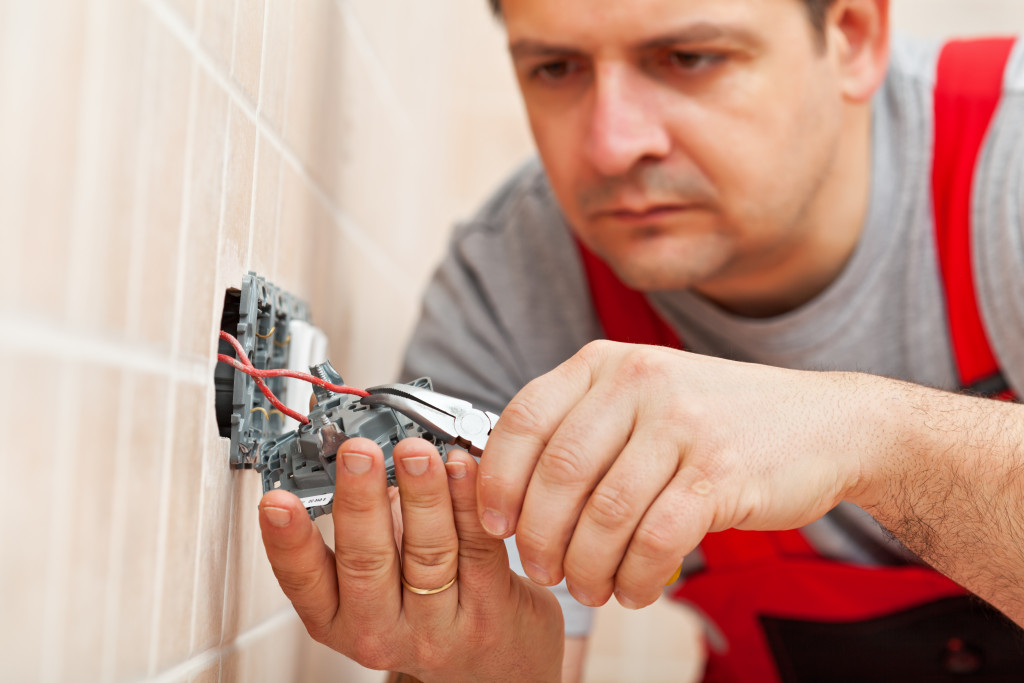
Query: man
{"x":743,"y":165}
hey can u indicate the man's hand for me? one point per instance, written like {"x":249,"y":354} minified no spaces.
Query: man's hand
{"x":613,"y":466}
{"x":490,"y":625}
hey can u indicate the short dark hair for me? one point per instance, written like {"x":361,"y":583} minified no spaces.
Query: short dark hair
{"x":816,"y":10}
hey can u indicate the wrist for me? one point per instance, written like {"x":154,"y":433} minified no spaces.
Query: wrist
{"x":886,"y":437}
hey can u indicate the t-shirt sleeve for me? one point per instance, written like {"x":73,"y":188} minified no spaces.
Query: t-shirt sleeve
{"x":460,"y":341}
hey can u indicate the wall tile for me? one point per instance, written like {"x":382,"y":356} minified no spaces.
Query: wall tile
{"x":942,"y":18}
{"x":145,"y":408}
{"x":20,"y":24}
{"x":186,"y":9}
{"x":245,"y":64}
{"x":169,"y":71}
{"x":274,"y":70}
{"x":206,"y":177}
{"x":263,"y":248}
{"x":315,"y":258}
{"x":244,"y":551}
{"x":214,"y":538}
{"x":381,"y":321}
{"x":103,"y":203}
{"x":318,"y":662}
{"x":23,"y":566}
{"x":189,"y":419}
{"x":210,"y":674}
{"x":302,"y":222}
{"x":217,"y":31}
{"x":319,"y":118}
{"x":265,"y":598}
{"x":234,"y":238}
{"x":260,"y":658}
{"x":44,"y":162}
{"x":87,"y":557}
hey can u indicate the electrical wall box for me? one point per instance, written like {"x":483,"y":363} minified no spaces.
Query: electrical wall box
{"x":275,"y":330}
{"x":266,"y":321}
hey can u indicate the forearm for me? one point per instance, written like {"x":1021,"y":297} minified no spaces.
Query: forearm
{"x":948,"y":481}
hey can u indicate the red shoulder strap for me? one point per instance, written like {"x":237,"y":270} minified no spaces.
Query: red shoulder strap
{"x":968,"y":86}
{"x":625,"y":314}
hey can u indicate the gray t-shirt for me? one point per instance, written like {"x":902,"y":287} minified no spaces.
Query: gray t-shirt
{"x":510,"y":301}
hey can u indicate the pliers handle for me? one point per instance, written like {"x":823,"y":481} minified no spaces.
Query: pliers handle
{"x":452,"y":420}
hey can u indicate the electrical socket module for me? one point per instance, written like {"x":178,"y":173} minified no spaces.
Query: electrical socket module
{"x":275,"y":330}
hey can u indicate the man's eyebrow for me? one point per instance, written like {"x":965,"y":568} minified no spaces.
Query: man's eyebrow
{"x":537,"y":48}
{"x":694,"y":33}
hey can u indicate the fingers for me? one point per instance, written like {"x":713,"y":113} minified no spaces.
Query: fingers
{"x":575,"y":459}
{"x":515,"y":445}
{"x":367,"y":559}
{"x":673,"y":526}
{"x":430,"y":545}
{"x":483,"y":562}
{"x":302,"y":563}
{"x":613,"y":514}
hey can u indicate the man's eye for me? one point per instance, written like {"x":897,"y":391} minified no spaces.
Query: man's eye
{"x":554,"y":71}
{"x":692,"y":61}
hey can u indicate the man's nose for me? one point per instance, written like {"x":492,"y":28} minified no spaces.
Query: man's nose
{"x":626,"y":123}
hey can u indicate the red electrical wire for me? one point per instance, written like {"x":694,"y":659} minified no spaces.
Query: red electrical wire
{"x":243,"y":364}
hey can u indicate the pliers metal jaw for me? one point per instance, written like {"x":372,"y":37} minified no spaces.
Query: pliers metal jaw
{"x":450,"y":420}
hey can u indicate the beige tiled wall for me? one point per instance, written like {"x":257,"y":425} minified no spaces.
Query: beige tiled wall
{"x":152,"y":152}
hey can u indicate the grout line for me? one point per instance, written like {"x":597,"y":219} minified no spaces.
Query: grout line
{"x":234,"y":40}
{"x":247,"y":266}
{"x":46,"y":338}
{"x":350,"y":229}
{"x":256,"y":117}
{"x":284,"y":126}
{"x":163,"y":516}
{"x":210,"y":388}
{"x":231,"y":540}
{"x":201,"y":661}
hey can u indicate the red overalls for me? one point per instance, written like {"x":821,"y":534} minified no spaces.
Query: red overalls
{"x":788,"y":614}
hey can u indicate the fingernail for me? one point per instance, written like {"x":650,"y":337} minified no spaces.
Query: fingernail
{"x":356,"y":463}
{"x":278,"y":517}
{"x":626,"y":602}
{"x":416,"y":466}
{"x":494,"y":522}
{"x":456,"y":470}
{"x":537,"y":573}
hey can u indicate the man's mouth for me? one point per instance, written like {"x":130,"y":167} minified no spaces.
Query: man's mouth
{"x":644,"y":215}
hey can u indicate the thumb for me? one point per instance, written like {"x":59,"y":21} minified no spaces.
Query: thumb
{"x":302,"y":562}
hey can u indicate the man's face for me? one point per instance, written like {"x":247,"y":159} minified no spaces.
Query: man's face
{"x":686,"y":140}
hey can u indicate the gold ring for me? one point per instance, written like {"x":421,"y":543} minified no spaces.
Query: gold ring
{"x":430,"y":591}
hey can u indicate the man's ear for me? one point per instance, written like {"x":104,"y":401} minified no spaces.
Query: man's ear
{"x":858,"y":38}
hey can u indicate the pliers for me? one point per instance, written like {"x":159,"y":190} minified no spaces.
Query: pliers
{"x":451,"y":420}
